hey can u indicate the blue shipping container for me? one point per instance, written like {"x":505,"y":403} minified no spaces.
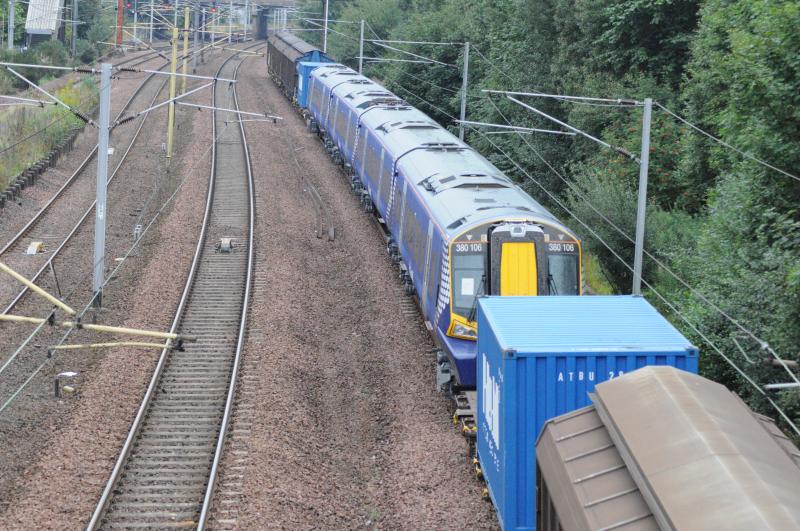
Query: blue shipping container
{"x":539,"y":357}
{"x":304,"y":69}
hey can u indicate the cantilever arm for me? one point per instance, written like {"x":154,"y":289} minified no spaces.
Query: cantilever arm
{"x":36,"y":289}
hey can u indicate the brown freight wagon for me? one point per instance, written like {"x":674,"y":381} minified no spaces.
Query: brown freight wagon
{"x":663,"y":449}
{"x":284,"y":51}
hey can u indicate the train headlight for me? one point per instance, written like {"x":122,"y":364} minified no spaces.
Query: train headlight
{"x":464,"y":331}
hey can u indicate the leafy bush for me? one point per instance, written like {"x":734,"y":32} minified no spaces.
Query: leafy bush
{"x":52,"y":53}
{"x":85,"y":51}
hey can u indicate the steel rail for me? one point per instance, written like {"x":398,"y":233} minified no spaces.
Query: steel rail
{"x":142,"y":412}
{"x":71,"y":180}
{"x":89,"y":210}
{"x":209,"y":496}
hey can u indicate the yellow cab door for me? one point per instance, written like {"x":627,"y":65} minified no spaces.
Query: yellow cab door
{"x":518,"y":275}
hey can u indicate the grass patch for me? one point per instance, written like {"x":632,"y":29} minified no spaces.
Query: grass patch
{"x":28,"y":133}
{"x":595,"y":277}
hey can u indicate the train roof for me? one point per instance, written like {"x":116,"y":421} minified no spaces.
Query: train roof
{"x":291,"y":45}
{"x":669,"y":450}
{"x":461,"y":188}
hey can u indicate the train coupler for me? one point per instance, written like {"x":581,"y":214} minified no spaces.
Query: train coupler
{"x":464,"y":417}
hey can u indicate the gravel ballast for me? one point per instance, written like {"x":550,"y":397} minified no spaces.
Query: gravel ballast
{"x":66,"y":453}
{"x":339,"y":423}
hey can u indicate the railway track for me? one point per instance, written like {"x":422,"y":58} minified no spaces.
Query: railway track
{"x":58,"y":221}
{"x":165,"y":474}
{"x":324,"y":227}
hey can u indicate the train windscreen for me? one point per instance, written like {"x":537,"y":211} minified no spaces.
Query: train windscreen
{"x":563,"y":274}
{"x":468,"y":281}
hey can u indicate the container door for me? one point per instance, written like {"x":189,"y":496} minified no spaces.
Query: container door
{"x":518,"y":268}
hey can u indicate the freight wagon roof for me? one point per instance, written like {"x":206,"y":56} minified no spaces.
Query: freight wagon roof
{"x":548,"y":325}
{"x":688,"y":447}
{"x":290,"y":45}
{"x":461,"y":188}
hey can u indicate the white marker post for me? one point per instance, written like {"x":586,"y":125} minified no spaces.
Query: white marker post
{"x":325,"y":30}
{"x":102,"y":180}
{"x":10,"y":24}
{"x":196,"y":22}
{"x":464,"y":86}
{"x":361,"y":49}
{"x":641,"y":207}
{"x":152,"y":12}
{"x":74,"y":45}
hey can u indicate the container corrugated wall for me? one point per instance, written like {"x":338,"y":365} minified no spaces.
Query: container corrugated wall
{"x":518,"y":391}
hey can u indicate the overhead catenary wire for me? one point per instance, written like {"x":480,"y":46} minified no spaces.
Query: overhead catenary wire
{"x":331,"y":30}
{"x":110,"y":276}
{"x":618,"y":101}
{"x":726,"y":144}
{"x":77,"y":112}
{"x":491,"y":64}
{"x":411,"y":54}
{"x":376,"y":41}
{"x":453,"y":91}
{"x":652,"y":289}
{"x":762,"y":343}
{"x":621,"y":151}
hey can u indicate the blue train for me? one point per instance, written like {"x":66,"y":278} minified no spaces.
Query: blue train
{"x":457,"y":225}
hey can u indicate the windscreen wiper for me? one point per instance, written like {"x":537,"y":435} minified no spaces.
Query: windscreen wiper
{"x":471,"y":316}
{"x":551,"y":283}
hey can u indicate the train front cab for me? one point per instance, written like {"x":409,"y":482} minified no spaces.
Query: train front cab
{"x":507,"y":258}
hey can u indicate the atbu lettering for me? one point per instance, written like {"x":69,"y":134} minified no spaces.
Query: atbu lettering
{"x":585,"y":376}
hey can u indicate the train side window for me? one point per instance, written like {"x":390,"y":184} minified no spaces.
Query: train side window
{"x":314,"y":93}
{"x":354,"y":133}
{"x":412,"y":232}
{"x":401,"y":192}
{"x":365,"y":141}
{"x":344,"y":121}
{"x":343,"y":113}
{"x":386,"y":178}
{"x":408,"y":233}
{"x":433,"y":276}
{"x":330,"y":112}
{"x":318,"y":86}
{"x":419,"y":245}
{"x":381,"y":172}
{"x":337,"y":114}
{"x":372,"y":162}
{"x":352,"y":129}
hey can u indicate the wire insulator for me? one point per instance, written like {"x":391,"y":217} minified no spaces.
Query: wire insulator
{"x":626,"y":153}
{"x":127,"y":69}
{"x":82,"y":117}
{"x":127,"y":119}
{"x":84,"y":70}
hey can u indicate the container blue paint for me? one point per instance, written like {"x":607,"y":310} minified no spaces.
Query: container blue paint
{"x":304,"y":69}
{"x":539,"y":357}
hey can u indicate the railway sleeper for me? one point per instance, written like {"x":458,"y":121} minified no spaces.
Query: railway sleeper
{"x":154,"y":517}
